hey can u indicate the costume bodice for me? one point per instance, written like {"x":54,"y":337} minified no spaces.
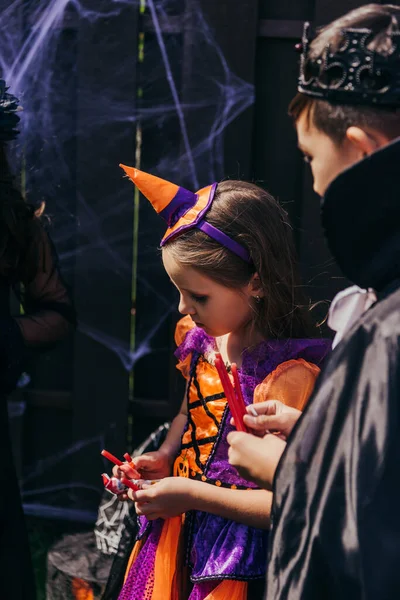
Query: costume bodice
{"x":204,"y":450}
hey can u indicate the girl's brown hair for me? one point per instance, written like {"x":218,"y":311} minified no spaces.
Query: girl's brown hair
{"x":252,"y":217}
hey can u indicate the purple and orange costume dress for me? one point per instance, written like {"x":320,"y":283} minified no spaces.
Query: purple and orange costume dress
{"x":201,"y":556}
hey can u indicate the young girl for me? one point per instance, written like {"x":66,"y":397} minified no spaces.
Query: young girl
{"x":229,"y":252}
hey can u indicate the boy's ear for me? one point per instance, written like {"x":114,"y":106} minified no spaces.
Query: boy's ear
{"x":366,"y":142}
{"x":255,"y":286}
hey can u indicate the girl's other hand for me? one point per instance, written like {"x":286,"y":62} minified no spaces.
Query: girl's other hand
{"x":256,"y":459}
{"x":273,"y":416}
{"x":154,"y":465}
{"x":170,"y":497}
{"x":125,"y":470}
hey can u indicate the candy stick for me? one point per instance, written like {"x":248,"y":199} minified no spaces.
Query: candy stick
{"x":240,"y":405}
{"x":131,"y":463}
{"x":225,"y":381}
{"x":129,"y":484}
{"x":226,"y":384}
{"x":111,"y":458}
{"x":233,"y":403}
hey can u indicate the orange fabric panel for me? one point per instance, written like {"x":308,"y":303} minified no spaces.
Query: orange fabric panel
{"x":184,"y":366}
{"x":182,"y":327}
{"x":167,"y":554}
{"x":168,"y":572}
{"x":208,"y":380}
{"x":205,"y":451}
{"x":229,"y":589}
{"x":205,"y":426}
{"x":188,"y":457}
{"x":292,"y":383}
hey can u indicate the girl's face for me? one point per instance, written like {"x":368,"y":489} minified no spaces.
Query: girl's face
{"x":217,"y":309}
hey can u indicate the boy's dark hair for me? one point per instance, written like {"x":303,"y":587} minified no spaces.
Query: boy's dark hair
{"x":335,"y":119}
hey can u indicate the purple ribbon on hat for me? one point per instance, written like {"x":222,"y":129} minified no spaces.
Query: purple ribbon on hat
{"x":183,"y":201}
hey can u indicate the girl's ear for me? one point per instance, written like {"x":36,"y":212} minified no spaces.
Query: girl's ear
{"x":255,"y":287}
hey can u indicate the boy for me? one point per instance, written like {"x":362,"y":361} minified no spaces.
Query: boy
{"x":336,"y":521}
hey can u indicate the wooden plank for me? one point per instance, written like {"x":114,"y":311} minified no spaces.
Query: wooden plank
{"x":155,"y":375}
{"x":105,"y":214}
{"x":172,"y":25}
{"x":52,"y":151}
{"x":302,"y":10}
{"x":320,"y":273}
{"x":278,"y":166}
{"x":328,"y":10}
{"x":233,"y":27}
{"x":280,"y":28}
{"x":275,"y":160}
{"x":275,"y":28}
{"x":54,"y":399}
{"x":319,"y":270}
{"x":157,"y":409}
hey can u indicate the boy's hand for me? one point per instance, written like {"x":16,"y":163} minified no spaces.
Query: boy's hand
{"x":273,"y":416}
{"x":170,"y":497}
{"x":256,"y":459}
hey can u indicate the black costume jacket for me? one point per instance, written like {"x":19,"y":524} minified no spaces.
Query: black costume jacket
{"x":48,"y":318}
{"x":336,"y":514}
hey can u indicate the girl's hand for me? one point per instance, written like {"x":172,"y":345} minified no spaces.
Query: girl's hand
{"x":255,"y":459}
{"x":170,"y":497}
{"x":273,"y":416}
{"x":154,"y":465}
{"x":125,"y":470}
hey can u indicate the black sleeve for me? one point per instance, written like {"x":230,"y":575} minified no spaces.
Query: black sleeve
{"x":48,"y":312}
{"x":378,"y":481}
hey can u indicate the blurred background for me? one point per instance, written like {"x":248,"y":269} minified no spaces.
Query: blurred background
{"x":191,"y":90}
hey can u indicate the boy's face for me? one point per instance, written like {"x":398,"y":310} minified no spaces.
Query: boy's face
{"x":327,"y":159}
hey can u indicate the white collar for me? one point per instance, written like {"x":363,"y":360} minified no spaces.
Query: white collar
{"x":347,"y":307}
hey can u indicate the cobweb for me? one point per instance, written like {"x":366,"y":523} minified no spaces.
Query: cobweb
{"x":170,"y":96}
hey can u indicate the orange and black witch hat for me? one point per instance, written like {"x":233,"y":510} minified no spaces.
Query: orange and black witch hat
{"x":182,"y":209}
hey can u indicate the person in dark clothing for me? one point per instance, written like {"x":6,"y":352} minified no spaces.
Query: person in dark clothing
{"x":335,"y":518}
{"x":27,"y":265}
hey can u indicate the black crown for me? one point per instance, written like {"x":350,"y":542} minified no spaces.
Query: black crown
{"x":353,"y":74}
{"x":9,"y":120}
